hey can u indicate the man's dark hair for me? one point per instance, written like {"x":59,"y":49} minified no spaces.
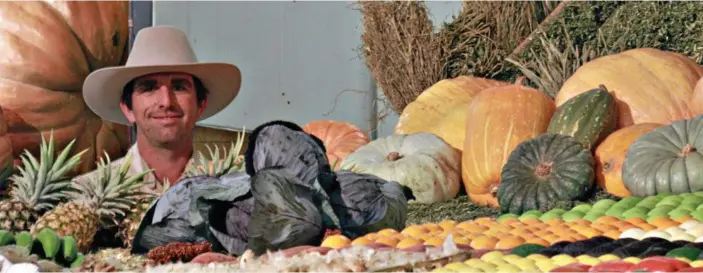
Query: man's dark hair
{"x":200,"y":91}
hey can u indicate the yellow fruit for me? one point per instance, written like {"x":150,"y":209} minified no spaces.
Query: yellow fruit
{"x":545,"y":265}
{"x":684,"y":259}
{"x":458,"y":267}
{"x":608,"y":257}
{"x":585,"y":259}
{"x":633,"y":260}
{"x":447,"y":224}
{"x":511,"y":258}
{"x":361,"y":241}
{"x":697,"y":263}
{"x":414,"y":231}
{"x":493,"y":255}
{"x":563,"y":259}
{"x":387,"y":232}
{"x":336,"y":241}
{"x":537,"y":257}
{"x":435,"y":241}
{"x":408,"y":242}
{"x":508,"y":268}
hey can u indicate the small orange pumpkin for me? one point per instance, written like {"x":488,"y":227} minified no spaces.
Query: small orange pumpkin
{"x":610,"y":155}
{"x":340,"y":138}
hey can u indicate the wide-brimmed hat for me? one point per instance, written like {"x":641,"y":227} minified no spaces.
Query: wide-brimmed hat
{"x":159,"y":49}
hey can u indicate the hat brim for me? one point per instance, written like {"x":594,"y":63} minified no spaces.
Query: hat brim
{"x":102,"y":89}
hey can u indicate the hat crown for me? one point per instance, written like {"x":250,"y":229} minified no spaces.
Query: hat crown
{"x":161,"y":45}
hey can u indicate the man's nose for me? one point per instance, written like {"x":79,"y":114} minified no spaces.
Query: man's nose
{"x":165,"y":96}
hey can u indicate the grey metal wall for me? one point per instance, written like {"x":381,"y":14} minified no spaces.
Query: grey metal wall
{"x":298,"y":59}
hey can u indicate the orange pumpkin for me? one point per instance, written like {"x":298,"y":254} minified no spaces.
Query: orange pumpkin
{"x":500,"y":118}
{"x":340,"y":138}
{"x":610,"y":155}
{"x":488,"y":199}
{"x":650,"y":85}
{"x":49,"y":47}
{"x":443,"y":109}
{"x":697,"y":98}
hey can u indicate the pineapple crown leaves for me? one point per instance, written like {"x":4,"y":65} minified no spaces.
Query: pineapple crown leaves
{"x":214,"y":166}
{"x":41,"y":183}
{"x":112,"y":192}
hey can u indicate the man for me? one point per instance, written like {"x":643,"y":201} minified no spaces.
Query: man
{"x":163,"y":91}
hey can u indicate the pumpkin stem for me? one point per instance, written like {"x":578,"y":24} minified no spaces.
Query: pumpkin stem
{"x":393,"y":156}
{"x":601,"y":86}
{"x":687,"y":150}
{"x":543,"y":169}
{"x":494,"y":191}
{"x":520,"y":80}
{"x":606,"y":166}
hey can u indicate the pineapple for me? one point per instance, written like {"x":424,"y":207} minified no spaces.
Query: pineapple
{"x":38,"y":187}
{"x":215,"y":166}
{"x":94,"y":203}
{"x":129,"y":226}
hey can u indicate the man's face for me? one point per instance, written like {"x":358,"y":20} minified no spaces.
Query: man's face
{"x":164,"y":107}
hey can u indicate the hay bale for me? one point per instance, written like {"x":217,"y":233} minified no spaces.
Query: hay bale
{"x":400,"y":48}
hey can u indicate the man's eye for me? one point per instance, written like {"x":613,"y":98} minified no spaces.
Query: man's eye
{"x":147,"y":88}
{"x":179,"y":87}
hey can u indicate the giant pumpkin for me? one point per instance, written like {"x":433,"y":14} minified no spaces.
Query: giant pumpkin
{"x":650,"y":85}
{"x":442,"y":109}
{"x":610,"y":155}
{"x":697,"y":98}
{"x":48,"y":48}
{"x":340,"y":138}
{"x":500,"y":118}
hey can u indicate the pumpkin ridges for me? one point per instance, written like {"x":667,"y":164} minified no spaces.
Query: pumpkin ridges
{"x":589,"y":117}
{"x":340,"y":138}
{"x":629,"y":75}
{"x":521,"y":111}
{"x":658,"y":153}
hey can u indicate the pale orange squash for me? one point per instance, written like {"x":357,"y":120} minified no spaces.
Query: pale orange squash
{"x":610,"y":155}
{"x":650,"y":85}
{"x":340,"y":138}
{"x":442,"y":109}
{"x":49,"y":47}
{"x":697,"y":98}
{"x":500,"y":118}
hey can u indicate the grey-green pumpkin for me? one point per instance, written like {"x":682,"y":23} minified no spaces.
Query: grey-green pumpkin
{"x":544,"y":169}
{"x":668,"y":159}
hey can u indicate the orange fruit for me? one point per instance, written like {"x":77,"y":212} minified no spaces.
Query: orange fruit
{"x":447,"y":224}
{"x":408,"y":242}
{"x":434,"y":241}
{"x":646,"y":226}
{"x":578,"y":237}
{"x":431,"y":227}
{"x":502,"y":228}
{"x":336,"y":241}
{"x":606,"y":220}
{"x":470,"y":226}
{"x":485,"y":221}
{"x":590,"y":232}
{"x":531,"y":221}
{"x":387,"y":232}
{"x":509,"y":221}
{"x":551,"y":238}
{"x":361,"y":241}
{"x":636,"y":220}
{"x":663,"y":223}
{"x":484,"y":242}
{"x":461,"y":240}
{"x":538,"y":241}
{"x":389,"y":241}
{"x":509,"y":242}
{"x":414,"y":230}
{"x":554,"y":221}
{"x":580,"y":222}
{"x":371,"y":236}
{"x":613,"y":234}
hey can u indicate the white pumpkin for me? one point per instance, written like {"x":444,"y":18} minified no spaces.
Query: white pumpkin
{"x":422,"y":161}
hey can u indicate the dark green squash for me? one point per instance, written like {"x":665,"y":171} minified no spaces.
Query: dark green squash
{"x":589,"y":117}
{"x":551,"y":167}
{"x":668,"y":159}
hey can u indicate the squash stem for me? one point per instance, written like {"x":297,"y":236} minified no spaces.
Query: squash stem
{"x":687,"y":150}
{"x":393,"y":156}
{"x":543,"y":169}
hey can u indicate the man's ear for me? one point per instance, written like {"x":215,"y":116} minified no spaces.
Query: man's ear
{"x":127,"y":112}
{"x":201,"y":107}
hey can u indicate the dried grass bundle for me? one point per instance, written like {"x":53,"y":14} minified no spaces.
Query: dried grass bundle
{"x":479,"y":39}
{"x":400,"y":48}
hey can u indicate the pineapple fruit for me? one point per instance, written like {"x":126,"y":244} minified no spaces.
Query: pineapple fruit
{"x":38,"y":187}
{"x":129,"y":226}
{"x":214,"y":165}
{"x":94,"y":203}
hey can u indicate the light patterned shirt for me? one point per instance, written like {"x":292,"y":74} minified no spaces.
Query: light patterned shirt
{"x":151,"y":184}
